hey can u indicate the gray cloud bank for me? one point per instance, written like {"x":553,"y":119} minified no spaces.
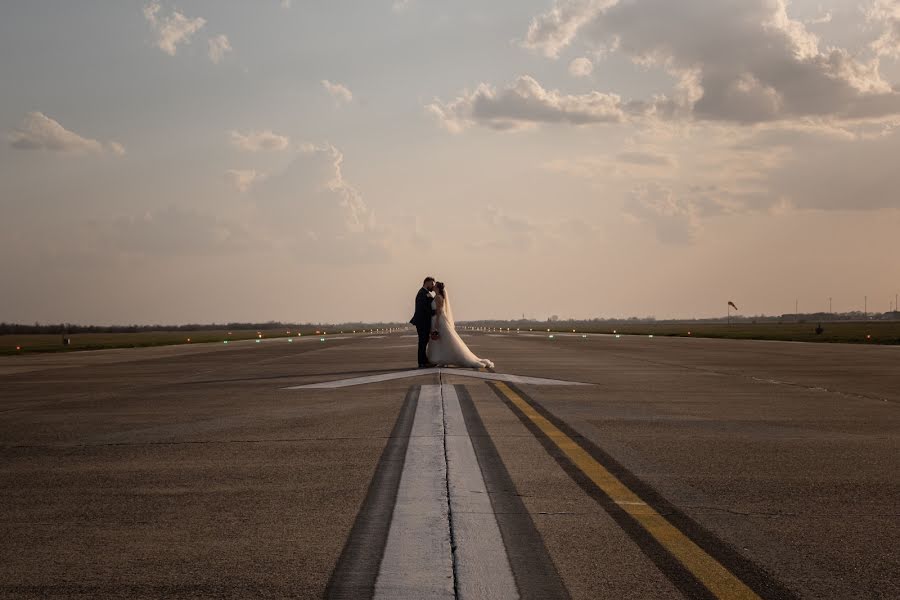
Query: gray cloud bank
{"x":742,"y":61}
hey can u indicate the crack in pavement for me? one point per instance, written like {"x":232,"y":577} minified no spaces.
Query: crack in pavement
{"x":454,"y":559}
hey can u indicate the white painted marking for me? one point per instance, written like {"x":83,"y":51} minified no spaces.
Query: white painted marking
{"x":417,"y":561}
{"x":482,"y":567}
{"x":341,"y":383}
{"x":509,"y":378}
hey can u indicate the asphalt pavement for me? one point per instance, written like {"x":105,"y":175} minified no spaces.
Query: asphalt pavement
{"x":582,"y":467}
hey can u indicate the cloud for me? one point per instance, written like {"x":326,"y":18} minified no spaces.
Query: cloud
{"x":307,"y":212}
{"x":580,"y":67}
{"x":675,"y":219}
{"x":525,"y":103}
{"x":520,"y":233}
{"x":172,"y":30}
{"x":645,"y":158}
{"x":887,"y":13}
{"x":116,"y":148}
{"x":509,"y":230}
{"x":678,"y":187}
{"x":257,"y":141}
{"x":242,"y":179}
{"x":285,"y":3}
{"x":756,"y":65}
{"x":826,"y":17}
{"x":400,"y":5}
{"x":218,"y":47}
{"x":555,"y":29}
{"x":837,"y":173}
{"x":624,"y":166}
{"x":311,"y":210}
{"x":172,"y":231}
{"x":340,"y":93}
{"x":40,"y":132}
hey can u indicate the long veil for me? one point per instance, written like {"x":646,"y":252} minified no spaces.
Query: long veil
{"x":453,"y":350}
{"x":448,"y":312}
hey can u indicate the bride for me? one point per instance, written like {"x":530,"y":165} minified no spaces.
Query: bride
{"x":447,"y":348}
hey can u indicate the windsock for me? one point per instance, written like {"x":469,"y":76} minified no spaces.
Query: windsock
{"x":731,"y":304}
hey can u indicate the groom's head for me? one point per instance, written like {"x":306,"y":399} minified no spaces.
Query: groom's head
{"x":428,"y":284}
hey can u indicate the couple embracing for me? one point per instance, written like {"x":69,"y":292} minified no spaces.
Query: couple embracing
{"x":439,"y":344}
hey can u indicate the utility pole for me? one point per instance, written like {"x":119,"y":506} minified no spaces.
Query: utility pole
{"x":797,"y":309}
{"x":865,"y":307}
{"x":829,"y":306}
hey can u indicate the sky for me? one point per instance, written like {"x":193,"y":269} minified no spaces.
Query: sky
{"x":313,"y":160}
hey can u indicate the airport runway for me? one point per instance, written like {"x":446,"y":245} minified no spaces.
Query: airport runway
{"x":584,"y":467}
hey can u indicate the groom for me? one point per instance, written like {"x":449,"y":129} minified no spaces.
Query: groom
{"x":422,"y":319}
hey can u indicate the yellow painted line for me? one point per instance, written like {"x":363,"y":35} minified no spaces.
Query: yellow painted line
{"x":715,"y":577}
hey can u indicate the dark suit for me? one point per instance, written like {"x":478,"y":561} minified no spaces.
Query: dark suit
{"x":422,"y":320}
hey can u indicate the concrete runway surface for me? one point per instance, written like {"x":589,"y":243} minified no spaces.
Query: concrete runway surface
{"x":685,"y":468}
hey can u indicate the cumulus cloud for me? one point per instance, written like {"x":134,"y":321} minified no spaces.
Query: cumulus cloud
{"x":757,"y":64}
{"x":40,"y":132}
{"x":257,"y":141}
{"x":887,"y":14}
{"x":218,"y":47}
{"x":308,"y":212}
{"x":173,"y":29}
{"x":555,"y":29}
{"x":340,"y":93}
{"x":525,"y":103}
{"x":316,"y":213}
{"x":580,"y":67}
{"x":242,"y":179}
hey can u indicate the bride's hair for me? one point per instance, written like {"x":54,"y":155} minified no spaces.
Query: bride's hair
{"x":439,"y":286}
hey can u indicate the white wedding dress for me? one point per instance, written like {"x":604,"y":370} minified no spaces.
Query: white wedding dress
{"x":450,"y":349}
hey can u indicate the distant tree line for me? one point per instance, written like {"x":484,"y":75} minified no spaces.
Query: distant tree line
{"x":71,"y":328}
{"x":556,"y":322}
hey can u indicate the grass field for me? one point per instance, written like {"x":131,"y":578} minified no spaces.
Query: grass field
{"x":852,"y":332}
{"x":18,"y":344}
